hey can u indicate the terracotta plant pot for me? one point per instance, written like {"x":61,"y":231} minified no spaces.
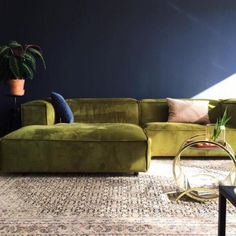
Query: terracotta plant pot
{"x":17,"y":87}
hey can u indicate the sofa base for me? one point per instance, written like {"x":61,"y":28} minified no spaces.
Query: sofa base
{"x":42,"y":155}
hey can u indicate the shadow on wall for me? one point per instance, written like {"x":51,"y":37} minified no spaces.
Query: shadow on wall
{"x":224,"y":89}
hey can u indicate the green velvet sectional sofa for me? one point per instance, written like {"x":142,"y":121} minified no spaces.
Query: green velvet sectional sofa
{"x":109,"y":135}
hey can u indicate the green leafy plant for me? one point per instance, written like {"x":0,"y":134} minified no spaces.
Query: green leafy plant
{"x":19,"y":62}
{"x":219,"y":123}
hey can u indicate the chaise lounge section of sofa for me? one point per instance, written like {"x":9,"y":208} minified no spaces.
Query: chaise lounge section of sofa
{"x":105,"y":137}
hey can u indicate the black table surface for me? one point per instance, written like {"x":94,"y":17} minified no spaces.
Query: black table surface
{"x":229,"y":193}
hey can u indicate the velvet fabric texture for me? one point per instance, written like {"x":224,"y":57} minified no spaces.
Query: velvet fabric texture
{"x":166,"y":139}
{"x":106,"y":138}
{"x":85,"y":110}
{"x":75,"y":148}
{"x":110,"y":135}
{"x":63,"y":111}
{"x":105,"y":110}
{"x":80,"y":132}
{"x":37,"y":112}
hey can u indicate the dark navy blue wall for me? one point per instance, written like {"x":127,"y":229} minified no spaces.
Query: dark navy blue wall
{"x":122,"y":48}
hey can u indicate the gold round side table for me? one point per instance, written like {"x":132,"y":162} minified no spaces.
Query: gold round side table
{"x":202,"y":193}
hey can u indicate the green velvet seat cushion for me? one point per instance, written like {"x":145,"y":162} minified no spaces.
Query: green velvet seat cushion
{"x":81,"y":132}
{"x":166,"y":137}
{"x":174,"y":126}
{"x":75,"y":148}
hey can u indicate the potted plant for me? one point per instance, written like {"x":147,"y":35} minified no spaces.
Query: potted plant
{"x":17,"y":63}
{"x":219,"y":128}
{"x":216,"y":132}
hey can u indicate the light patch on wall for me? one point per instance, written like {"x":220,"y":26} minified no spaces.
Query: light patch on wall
{"x":224,"y":89}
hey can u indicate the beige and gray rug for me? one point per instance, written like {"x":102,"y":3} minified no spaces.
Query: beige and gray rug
{"x":107,"y":204}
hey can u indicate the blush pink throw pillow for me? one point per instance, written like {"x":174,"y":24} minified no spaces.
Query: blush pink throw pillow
{"x":188,"y":111}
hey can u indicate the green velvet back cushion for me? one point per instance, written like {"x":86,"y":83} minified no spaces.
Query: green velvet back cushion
{"x":156,"y":110}
{"x":105,"y":110}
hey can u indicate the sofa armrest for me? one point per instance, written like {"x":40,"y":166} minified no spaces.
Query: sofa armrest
{"x":230,"y":104}
{"x":37,"y":112}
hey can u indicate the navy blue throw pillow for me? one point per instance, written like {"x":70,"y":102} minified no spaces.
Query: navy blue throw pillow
{"x":62,"y":108}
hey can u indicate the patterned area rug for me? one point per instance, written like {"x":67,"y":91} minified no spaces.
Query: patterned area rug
{"x":107,"y":204}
